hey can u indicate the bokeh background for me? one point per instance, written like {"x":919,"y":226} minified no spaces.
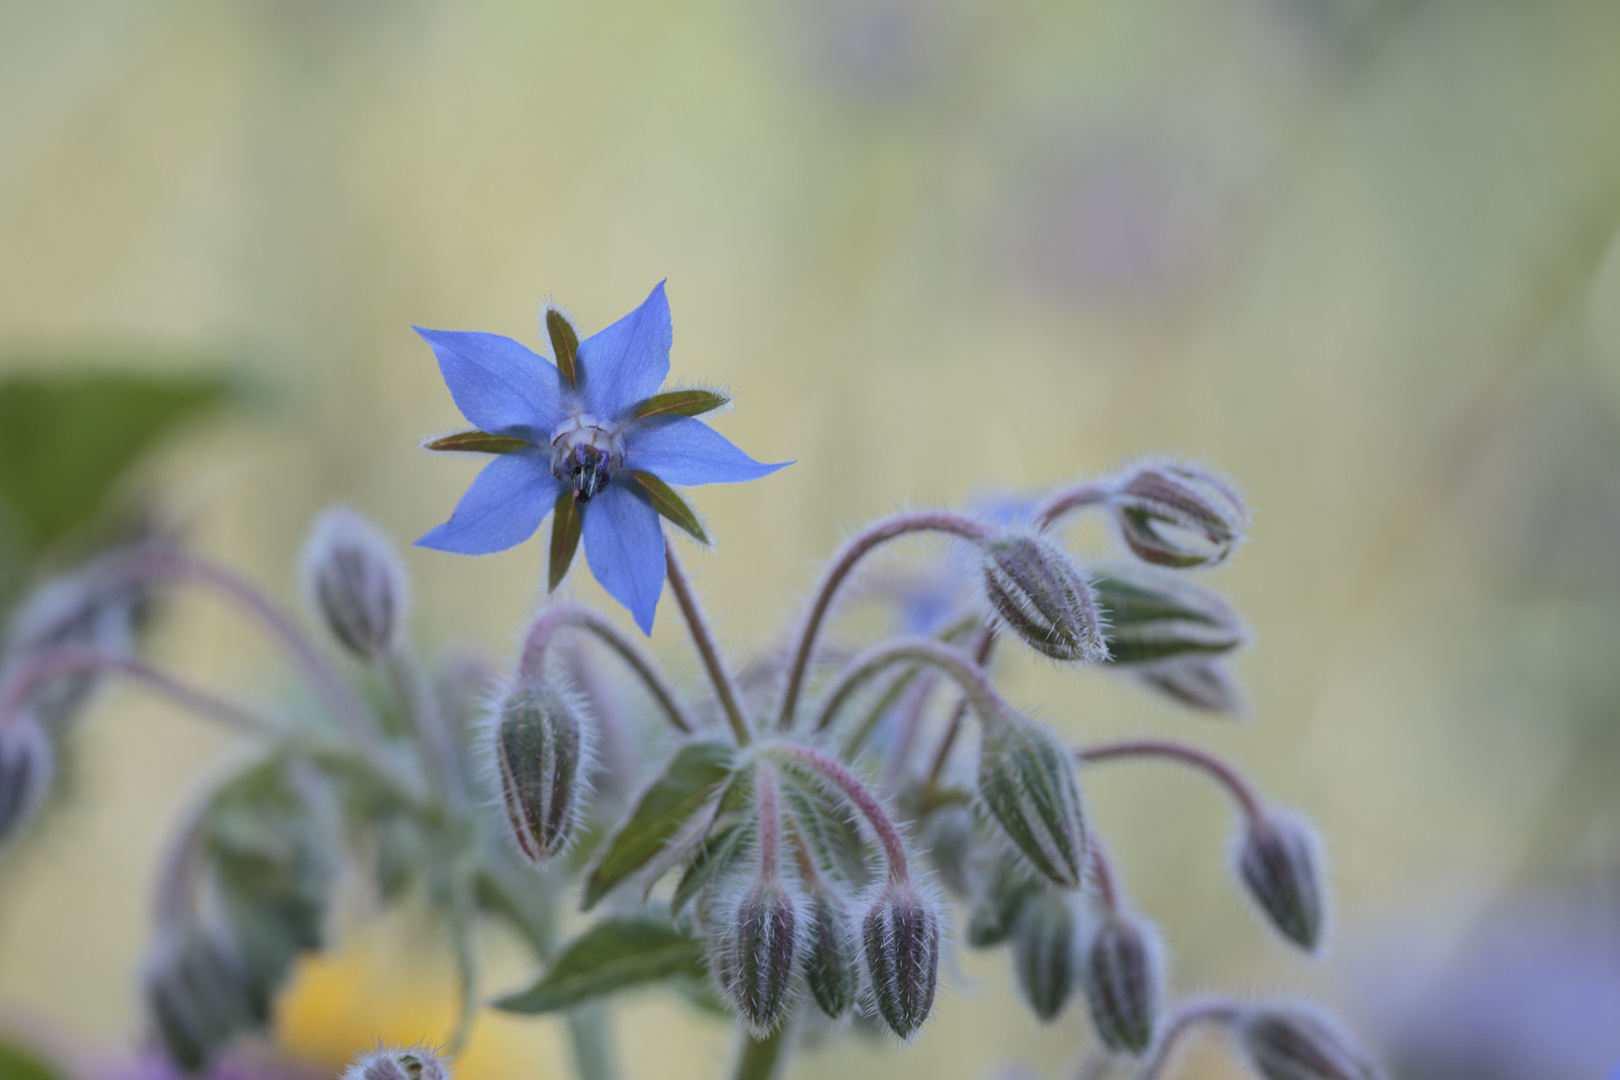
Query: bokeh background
{"x":1358,"y":254}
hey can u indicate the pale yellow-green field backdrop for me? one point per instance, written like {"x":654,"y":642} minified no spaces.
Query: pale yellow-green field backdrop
{"x":1357,"y":255}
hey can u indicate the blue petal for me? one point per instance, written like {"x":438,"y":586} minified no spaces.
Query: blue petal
{"x":681,"y":450}
{"x":505,"y":505}
{"x":625,"y":547}
{"x":627,"y":363}
{"x":498,"y":384}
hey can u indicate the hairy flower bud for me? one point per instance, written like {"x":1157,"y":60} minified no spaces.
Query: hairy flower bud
{"x":200,"y":994}
{"x":388,"y":1063}
{"x":355,"y":581}
{"x":830,"y":964}
{"x":901,"y":942}
{"x":88,"y":609}
{"x":1037,"y":594}
{"x":1198,"y":682}
{"x":1008,"y":885}
{"x":1121,"y":977}
{"x":26,"y":766}
{"x":539,"y":748}
{"x":1026,"y":778}
{"x":1289,"y":1043}
{"x":1279,"y":865}
{"x":1154,"y":615}
{"x":1044,"y":952}
{"x":1179,"y":515}
{"x":757,"y":952}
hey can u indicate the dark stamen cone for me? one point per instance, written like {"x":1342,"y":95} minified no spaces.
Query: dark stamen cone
{"x":1044,"y":952}
{"x":1038,"y":595}
{"x":830,"y":965}
{"x":539,"y":745}
{"x":1289,"y":1043}
{"x":1279,"y":866}
{"x":900,"y":937}
{"x":1121,"y":976}
{"x":1027,"y":780}
{"x":758,"y":952}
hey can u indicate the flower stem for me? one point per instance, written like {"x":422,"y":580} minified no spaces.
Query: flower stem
{"x":888,"y":836}
{"x":1069,"y":499}
{"x":646,"y":668}
{"x":592,"y":1040}
{"x":1102,"y":870}
{"x":723,"y":687}
{"x":1241,"y":790}
{"x":1183,"y":1018}
{"x":762,"y":1059}
{"x":975,"y":684}
{"x":770,"y":825}
{"x":984,"y":643}
{"x":852,"y":552}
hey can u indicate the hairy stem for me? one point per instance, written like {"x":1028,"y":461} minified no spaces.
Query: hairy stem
{"x":712,"y":660}
{"x":762,"y":1059}
{"x":1241,"y":790}
{"x":894,"y":852}
{"x":1070,"y":499}
{"x":975,"y":684}
{"x":1182,"y":1019}
{"x":770,"y":825}
{"x":984,"y":643}
{"x":851,"y":553}
{"x":646,"y":668}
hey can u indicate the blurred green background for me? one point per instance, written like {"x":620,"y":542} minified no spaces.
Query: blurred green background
{"x":1358,"y":254}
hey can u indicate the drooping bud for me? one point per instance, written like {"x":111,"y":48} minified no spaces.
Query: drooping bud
{"x":1206,"y":683}
{"x":757,"y":953}
{"x":1290,"y":1043}
{"x":1008,"y":885}
{"x":1179,"y":515}
{"x":356,"y":582}
{"x":1044,"y":952}
{"x":830,"y":965}
{"x":1153,"y":615}
{"x":200,"y":995}
{"x":388,"y":1063}
{"x":1280,"y":866}
{"x":89,"y":609}
{"x":540,"y":746}
{"x":1122,"y":980}
{"x":1026,"y":778}
{"x":900,"y":936}
{"x":1037,"y":594}
{"x":26,"y":767}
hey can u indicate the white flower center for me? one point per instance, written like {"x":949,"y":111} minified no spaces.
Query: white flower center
{"x":584,"y":453}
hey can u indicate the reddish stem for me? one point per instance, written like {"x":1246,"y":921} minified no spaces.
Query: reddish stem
{"x":984,"y":643}
{"x":1242,"y":791}
{"x":712,"y":660}
{"x":532,"y":662}
{"x":1074,"y":498}
{"x":863,"y":800}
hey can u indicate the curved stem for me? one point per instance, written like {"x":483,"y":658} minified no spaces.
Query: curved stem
{"x":646,"y":668}
{"x":975,"y":684}
{"x":1092,"y":493}
{"x":1241,"y":790}
{"x":851,"y":553}
{"x":888,"y":836}
{"x":912,"y":707}
{"x":984,"y":643}
{"x":160,"y":561}
{"x":1102,"y":870}
{"x":1182,"y":1019}
{"x":723,"y":687}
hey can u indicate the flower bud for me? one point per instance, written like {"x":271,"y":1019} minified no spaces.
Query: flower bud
{"x":830,"y":965}
{"x":1037,"y":594}
{"x":901,"y":941}
{"x":1121,"y":976}
{"x":26,"y":766}
{"x":87,"y":609}
{"x":200,"y":995}
{"x":1044,"y":952}
{"x":1289,"y":1043}
{"x":1198,"y":682}
{"x":1153,"y":615}
{"x":757,"y":952}
{"x":539,"y":747}
{"x":355,"y":581}
{"x":1179,"y":515}
{"x":1279,"y":865}
{"x":387,"y":1063}
{"x":1026,"y":778}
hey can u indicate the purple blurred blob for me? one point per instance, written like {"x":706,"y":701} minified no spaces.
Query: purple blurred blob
{"x":241,"y":1064}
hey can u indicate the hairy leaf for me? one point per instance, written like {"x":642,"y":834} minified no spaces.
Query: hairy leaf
{"x":565,"y":343}
{"x":566,"y":523}
{"x":680,"y":403}
{"x":611,"y":955}
{"x":671,"y":505}
{"x":478,"y":442}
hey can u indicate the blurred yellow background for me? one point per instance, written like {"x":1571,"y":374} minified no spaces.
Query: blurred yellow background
{"x":1357,"y":254}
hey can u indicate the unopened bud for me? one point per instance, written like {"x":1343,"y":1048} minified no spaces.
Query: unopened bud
{"x":26,"y":766}
{"x":830,"y":965}
{"x":1206,"y":683}
{"x":1279,"y":865}
{"x":539,"y":748}
{"x":200,"y":995}
{"x":757,"y":952}
{"x":901,"y":939}
{"x":1154,"y":615}
{"x":1290,"y":1043}
{"x":356,"y":582}
{"x":1121,"y":976}
{"x":1008,"y":885}
{"x":1179,"y":515}
{"x":387,"y":1063}
{"x":1026,"y":778}
{"x":1044,"y":952}
{"x":88,"y":609}
{"x":1037,"y":594}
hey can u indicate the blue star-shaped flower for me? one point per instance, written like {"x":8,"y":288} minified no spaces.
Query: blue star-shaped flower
{"x":590,"y":437}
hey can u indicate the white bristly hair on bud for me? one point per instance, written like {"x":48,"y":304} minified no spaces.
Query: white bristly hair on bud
{"x":1178,"y":515}
{"x":540,"y":756}
{"x":418,"y":1062}
{"x":1122,"y":972}
{"x":900,"y":947}
{"x":355,"y":581}
{"x":1038,"y":596}
{"x":1026,"y":779}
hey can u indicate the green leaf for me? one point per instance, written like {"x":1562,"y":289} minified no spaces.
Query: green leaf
{"x":826,"y":822}
{"x":478,"y":442}
{"x":66,"y":441}
{"x":565,"y":344}
{"x":611,"y":955}
{"x":680,"y":403}
{"x":690,"y":779}
{"x":18,"y":1064}
{"x":566,"y":524}
{"x":726,"y":840}
{"x":671,"y":505}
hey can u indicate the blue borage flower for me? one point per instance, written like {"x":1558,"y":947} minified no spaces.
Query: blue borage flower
{"x":589,"y":437}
